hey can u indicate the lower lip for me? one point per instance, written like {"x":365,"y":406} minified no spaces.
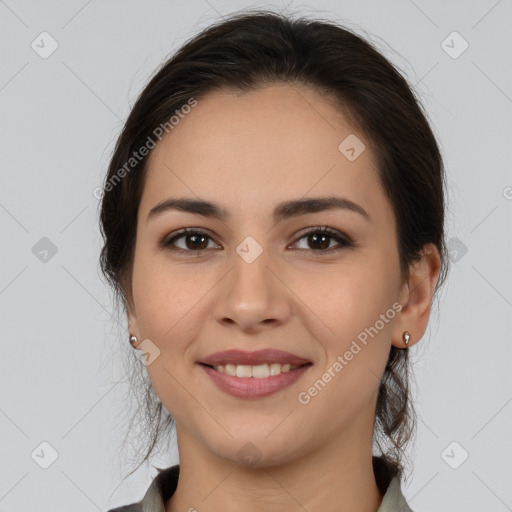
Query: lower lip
{"x":251,"y":387}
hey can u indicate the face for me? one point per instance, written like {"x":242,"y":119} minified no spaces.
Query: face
{"x":253,"y":281}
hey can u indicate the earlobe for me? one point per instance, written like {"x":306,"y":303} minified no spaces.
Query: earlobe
{"x":133,"y":329}
{"x":417,"y":294}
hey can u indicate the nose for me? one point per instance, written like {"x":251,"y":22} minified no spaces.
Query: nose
{"x":253,"y":296}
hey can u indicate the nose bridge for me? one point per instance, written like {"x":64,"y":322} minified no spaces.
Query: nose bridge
{"x":251,"y":273}
{"x":251,"y":293}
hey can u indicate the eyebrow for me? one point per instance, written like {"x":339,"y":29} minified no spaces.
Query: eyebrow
{"x":282,"y":211}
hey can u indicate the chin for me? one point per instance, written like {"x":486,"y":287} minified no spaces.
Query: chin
{"x":258,"y":449}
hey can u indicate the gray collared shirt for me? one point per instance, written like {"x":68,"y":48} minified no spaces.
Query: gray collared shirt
{"x":164,"y":484}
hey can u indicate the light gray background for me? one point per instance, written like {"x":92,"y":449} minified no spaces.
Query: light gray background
{"x":61,"y":375}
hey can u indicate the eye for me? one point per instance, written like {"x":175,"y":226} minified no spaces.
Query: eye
{"x":322,"y":238}
{"x":196,"y":240}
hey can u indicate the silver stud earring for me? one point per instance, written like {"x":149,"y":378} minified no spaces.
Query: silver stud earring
{"x":133,"y":341}
{"x":406,"y":336}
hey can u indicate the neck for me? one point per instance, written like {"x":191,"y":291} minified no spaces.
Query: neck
{"x":336,"y":476}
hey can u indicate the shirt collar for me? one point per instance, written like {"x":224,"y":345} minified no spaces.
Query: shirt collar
{"x":394,"y":500}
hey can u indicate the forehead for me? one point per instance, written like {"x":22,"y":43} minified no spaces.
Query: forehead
{"x":262,"y":147}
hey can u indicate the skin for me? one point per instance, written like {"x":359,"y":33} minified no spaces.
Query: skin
{"x":248,"y":152}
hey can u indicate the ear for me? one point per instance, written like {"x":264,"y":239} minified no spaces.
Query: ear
{"x":416,"y":297}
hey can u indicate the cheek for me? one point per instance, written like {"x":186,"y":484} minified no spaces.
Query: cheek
{"x":170,"y":314}
{"x":350,"y":314}
{"x":343,"y":301}
{"x":170,"y":320}
{"x":164,"y":297}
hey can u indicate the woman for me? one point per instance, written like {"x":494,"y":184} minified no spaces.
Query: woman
{"x":273,"y":218}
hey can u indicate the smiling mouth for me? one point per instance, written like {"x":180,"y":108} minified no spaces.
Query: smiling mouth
{"x":259,"y":371}
{"x":254,"y":381}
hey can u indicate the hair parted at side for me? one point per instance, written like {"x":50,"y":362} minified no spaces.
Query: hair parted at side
{"x":256,"y":48}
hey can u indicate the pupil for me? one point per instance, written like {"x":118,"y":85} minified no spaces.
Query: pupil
{"x":324,"y":237}
{"x":194,"y":239}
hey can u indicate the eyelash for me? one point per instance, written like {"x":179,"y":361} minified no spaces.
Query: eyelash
{"x":347,"y":242}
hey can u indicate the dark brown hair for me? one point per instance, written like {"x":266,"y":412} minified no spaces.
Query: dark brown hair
{"x":242,"y":53}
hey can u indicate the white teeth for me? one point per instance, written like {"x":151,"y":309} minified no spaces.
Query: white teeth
{"x":243,"y":371}
{"x":230,"y":369}
{"x":275,"y":369}
{"x":260,"y":371}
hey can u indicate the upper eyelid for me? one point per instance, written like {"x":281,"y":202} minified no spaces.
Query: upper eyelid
{"x":182,"y":232}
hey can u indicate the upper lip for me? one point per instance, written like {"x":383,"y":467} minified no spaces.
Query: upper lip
{"x":253,"y":358}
